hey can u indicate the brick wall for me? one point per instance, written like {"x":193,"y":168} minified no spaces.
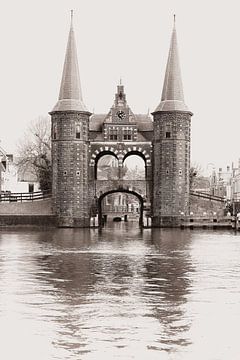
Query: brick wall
{"x":171,"y":159}
{"x":70,"y":159}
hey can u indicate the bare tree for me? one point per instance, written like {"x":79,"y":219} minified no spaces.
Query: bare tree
{"x":34,"y":152}
{"x":195,"y":173}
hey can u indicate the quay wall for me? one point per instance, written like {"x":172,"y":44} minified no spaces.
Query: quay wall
{"x":28,"y":220}
{"x":198,"y":206}
{"x":40,"y":207}
{"x":36,"y":213}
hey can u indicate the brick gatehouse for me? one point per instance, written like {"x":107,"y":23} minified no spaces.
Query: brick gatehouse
{"x":80,"y":139}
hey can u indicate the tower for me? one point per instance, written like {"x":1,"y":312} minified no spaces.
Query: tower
{"x":171,"y":147}
{"x":70,"y":145}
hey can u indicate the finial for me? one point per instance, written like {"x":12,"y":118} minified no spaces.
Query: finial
{"x":120,"y":81}
{"x":174,"y":20}
{"x":71,"y":18}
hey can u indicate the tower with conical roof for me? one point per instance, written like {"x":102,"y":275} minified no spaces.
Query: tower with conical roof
{"x":70,"y":137}
{"x":171,"y":147}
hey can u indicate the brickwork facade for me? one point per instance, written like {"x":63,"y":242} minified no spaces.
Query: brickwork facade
{"x":80,"y":140}
{"x":70,"y":159}
{"x":171,"y":159}
{"x":121,"y":137}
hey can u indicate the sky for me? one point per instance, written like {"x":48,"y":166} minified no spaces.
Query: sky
{"x":126,"y":39}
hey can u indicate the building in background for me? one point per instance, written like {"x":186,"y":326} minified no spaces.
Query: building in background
{"x":221,"y":183}
{"x":235,"y":183}
{"x":12,"y":180}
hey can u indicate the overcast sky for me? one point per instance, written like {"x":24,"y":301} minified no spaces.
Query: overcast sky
{"x":128,"y":39}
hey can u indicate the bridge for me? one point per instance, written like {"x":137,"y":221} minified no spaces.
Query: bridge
{"x":207,"y":196}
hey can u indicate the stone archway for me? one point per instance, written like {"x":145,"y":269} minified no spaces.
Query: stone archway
{"x":102,"y":196}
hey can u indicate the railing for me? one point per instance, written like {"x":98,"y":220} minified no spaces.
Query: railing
{"x":208,"y":196}
{"x":24,"y":197}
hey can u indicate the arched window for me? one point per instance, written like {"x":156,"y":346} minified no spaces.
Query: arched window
{"x":134,"y":168}
{"x":107,"y":168}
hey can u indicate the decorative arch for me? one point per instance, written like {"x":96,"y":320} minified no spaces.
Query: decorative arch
{"x":98,"y":155}
{"x":134,"y":165}
{"x":103,"y":150}
{"x":137,"y":150}
{"x":120,"y":154}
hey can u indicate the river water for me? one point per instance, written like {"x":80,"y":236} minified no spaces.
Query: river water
{"x":121,"y":293}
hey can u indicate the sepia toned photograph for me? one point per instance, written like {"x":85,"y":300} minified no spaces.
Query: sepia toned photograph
{"x":119,"y":180}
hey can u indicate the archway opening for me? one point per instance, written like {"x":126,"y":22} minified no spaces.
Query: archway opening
{"x":106,"y":167}
{"x":120,"y":205}
{"x":134,"y":167}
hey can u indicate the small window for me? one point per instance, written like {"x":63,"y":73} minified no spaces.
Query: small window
{"x":113,"y":137}
{"x":168,"y":134}
{"x":167,"y":171}
{"x":65,"y":173}
{"x":78,"y":173}
{"x":127,"y":135}
{"x":4,"y":163}
{"x":78,"y":132}
{"x":180,"y":172}
{"x":54,"y":132}
{"x":30,"y":188}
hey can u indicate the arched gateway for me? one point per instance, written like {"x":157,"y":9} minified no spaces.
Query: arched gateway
{"x":80,"y":141}
{"x":101,"y":219}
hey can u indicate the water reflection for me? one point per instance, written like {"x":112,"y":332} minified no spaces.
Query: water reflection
{"x":167,"y":285}
{"x":86,"y":294}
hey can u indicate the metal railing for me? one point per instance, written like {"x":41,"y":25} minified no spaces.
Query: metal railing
{"x":24,"y":197}
{"x":207,"y":196}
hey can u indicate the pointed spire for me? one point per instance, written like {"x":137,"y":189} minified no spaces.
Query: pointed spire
{"x":71,"y":19}
{"x":70,"y":96}
{"x":172,"y":94}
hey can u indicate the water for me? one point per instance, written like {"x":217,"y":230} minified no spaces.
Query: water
{"x":121,"y":293}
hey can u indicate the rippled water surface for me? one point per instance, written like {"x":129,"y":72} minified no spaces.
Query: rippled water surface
{"x":121,"y":293}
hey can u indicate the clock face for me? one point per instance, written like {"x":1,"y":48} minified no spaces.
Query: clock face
{"x":121,"y":115}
